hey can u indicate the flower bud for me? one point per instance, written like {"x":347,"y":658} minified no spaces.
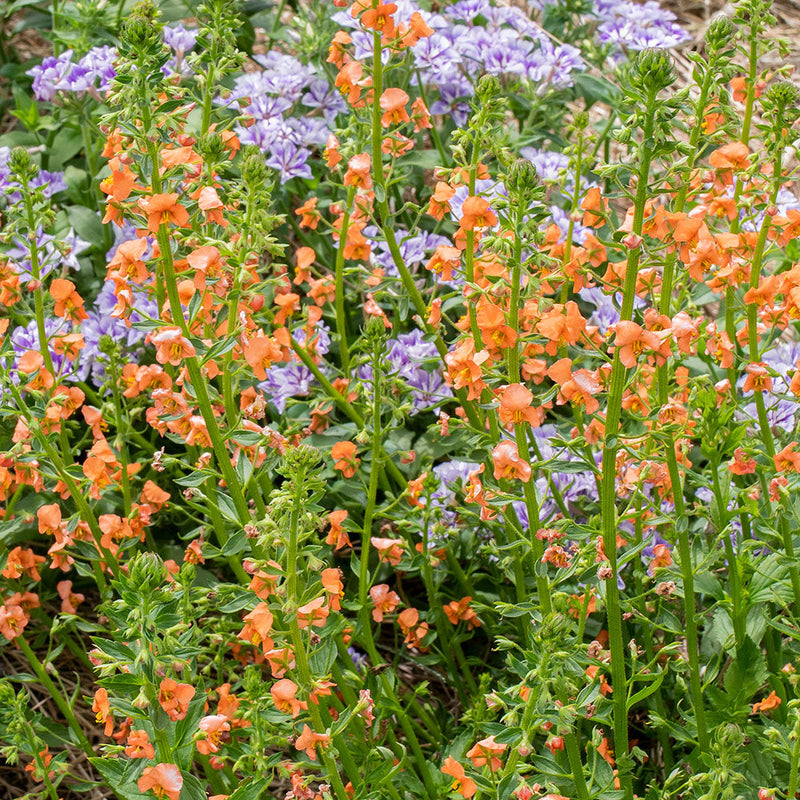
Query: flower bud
{"x":211,"y":147}
{"x":720,"y":34}
{"x":652,"y":70}
{"x":254,"y":169}
{"x":488,"y":88}
{"x":782,"y":95}
{"x":146,"y":572}
{"x":21,"y":164}
{"x":140,"y":32}
{"x":522,"y":175}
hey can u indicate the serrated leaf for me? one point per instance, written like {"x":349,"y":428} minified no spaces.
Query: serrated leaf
{"x":251,"y":789}
{"x":237,"y":543}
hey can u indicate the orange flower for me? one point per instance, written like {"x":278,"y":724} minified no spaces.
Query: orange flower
{"x":487,"y":753}
{"x":69,"y":600}
{"x":313,"y":613}
{"x":661,"y":558}
{"x":102,"y":710}
{"x":163,"y":208}
{"x":390,"y":551}
{"x":49,"y":517}
{"x":741,"y":465}
{"x":440,"y":200}
{"x":384,"y":601}
{"x":632,"y":340}
{"x":309,"y":216}
{"x":577,"y":387}
{"x":516,"y":406}
{"x":138,"y":745}
{"x":767,"y":704}
{"x":459,"y":611}
{"x":358,"y":171}
{"x":476,"y":214}
{"x":379,"y":18}
{"x":337,"y":52}
{"x":413,"y":630}
{"x":332,"y":582}
{"x":508,"y":464}
{"x":69,"y":304}
{"x":175,"y":697}
{"x":337,"y":536}
{"x":260,"y":352}
{"x":393,"y":104}
{"x":127,"y":261}
{"x":758,"y":379}
{"x":171,"y":345}
{"x":420,"y":115}
{"x":258,"y":624}
{"x":344,"y":454}
{"x":788,"y":460}
{"x":164,"y":779}
{"x":417,"y":29}
{"x":463,"y":368}
{"x":280,"y":659}
{"x":444,"y":260}
{"x":348,"y":81}
{"x":13,"y":620}
{"x":308,"y":741}
{"x":491,"y":319}
{"x":461,"y":783}
{"x":563,"y":325}
{"x":22,"y":560}
{"x":120,"y":183}
{"x":214,"y":727}
{"x":208,"y":201}
{"x":283,"y":695}
{"x":594,"y":208}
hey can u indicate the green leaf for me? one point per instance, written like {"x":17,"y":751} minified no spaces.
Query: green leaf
{"x":86,"y":223}
{"x":27,"y":109}
{"x":251,"y":789}
{"x":226,"y":507}
{"x":237,"y":543}
{"x":121,"y":777}
{"x":747,"y":671}
{"x":655,"y":680}
{"x":192,"y":788}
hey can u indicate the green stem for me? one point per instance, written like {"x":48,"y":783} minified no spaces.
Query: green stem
{"x":608,"y":509}
{"x":791,"y":791}
{"x":198,"y":384}
{"x":82,"y":505}
{"x":59,"y":699}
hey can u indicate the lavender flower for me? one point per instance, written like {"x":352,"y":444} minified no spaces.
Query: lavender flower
{"x":180,"y":38}
{"x":291,"y":161}
{"x":284,"y":381}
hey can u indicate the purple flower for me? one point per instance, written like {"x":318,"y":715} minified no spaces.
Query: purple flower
{"x":291,"y":161}
{"x":51,"y":75}
{"x":322,"y":334}
{"x":27,"y":338}
{"x":548,"y":163}
{"x":467,"y":10}
{"x":637,"y":27}
{"x":284,"y":381}
{"x":408,"y":355}
{"x":265,"y":106}
{"x":99,"y":63}
{"x":323,"y":96}
{"x":179,"y":38}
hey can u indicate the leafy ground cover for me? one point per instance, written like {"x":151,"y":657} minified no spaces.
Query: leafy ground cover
{"x":398,"y":401}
